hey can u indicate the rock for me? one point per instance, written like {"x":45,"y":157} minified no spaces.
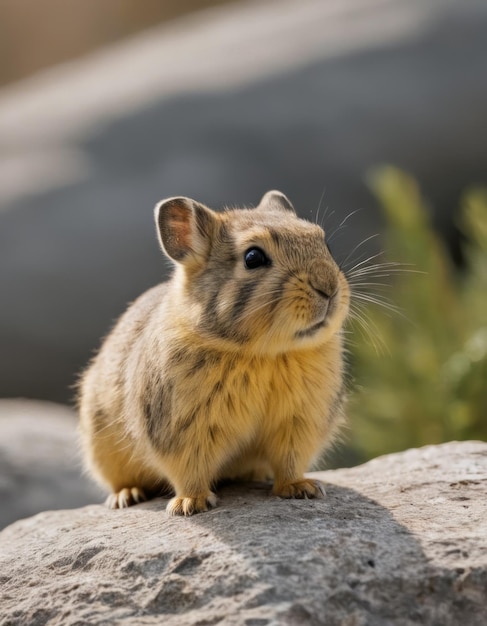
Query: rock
{"x":40,"y":467}
{"x":399,"y":540}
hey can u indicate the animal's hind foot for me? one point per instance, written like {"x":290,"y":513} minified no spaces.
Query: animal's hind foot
{"x":126,"y":497}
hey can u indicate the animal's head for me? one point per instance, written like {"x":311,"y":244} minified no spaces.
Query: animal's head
{"x":260,"y":278}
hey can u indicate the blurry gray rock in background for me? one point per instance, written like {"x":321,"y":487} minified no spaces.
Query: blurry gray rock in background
{"x":221,"y":106}
{"x":40,"y":466}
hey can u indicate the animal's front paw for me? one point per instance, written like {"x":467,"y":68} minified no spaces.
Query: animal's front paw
{"x":125,"y":497}
{"x":188,"y":505}
{"x":304,"y":488}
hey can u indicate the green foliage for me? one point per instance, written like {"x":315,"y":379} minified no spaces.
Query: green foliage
{"x":429,"y":382}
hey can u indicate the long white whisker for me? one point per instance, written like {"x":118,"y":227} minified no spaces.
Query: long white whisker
{"x":342,"y":224}
{"x":317,"y":217}
{"x":378,"y":301}
{"x":359,"y":283}
{"x":380,"y":265}
{"x":364,"y":241}
{"x":377,"y":272}
{"x":368,"y":326}
{"x":326,"y":216}
{"x":363,"y":262}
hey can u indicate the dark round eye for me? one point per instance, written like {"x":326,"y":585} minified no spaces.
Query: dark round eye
{"x":255,"y":257}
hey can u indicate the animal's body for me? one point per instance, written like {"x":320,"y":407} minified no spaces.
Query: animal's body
{"x":233,"y":368}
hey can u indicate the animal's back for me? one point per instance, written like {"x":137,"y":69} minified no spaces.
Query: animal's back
{"x":109,"y":438}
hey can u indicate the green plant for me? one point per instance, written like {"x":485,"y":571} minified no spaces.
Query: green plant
{"x":429,"y":384}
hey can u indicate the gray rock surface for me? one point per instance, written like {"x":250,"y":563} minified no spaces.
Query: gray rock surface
{"x":400,"y":540}
{"x":40,"y":467}
{"x":303,"y":96}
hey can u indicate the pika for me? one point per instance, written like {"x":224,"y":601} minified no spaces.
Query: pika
{"x":231,"y":369}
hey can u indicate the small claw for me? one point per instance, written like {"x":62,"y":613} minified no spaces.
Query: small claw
{"x":126,"y":497}
{"x":321,"y":488}
{"x":111,"y":502}
{"x":138,"y":495}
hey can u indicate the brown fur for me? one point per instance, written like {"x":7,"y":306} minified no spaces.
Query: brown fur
{"x":223,"y":371}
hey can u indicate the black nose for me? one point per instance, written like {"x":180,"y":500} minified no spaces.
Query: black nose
{"x":327,"y":292}
{"x":322,"y":293}
{"x":329,"y":300}
{"x":323,"y":278}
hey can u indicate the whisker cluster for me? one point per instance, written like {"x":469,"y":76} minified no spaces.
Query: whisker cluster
{"x":368,"y":280}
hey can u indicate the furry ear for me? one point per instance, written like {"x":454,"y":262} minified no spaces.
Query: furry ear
{"x":276,"y":200}
{"x":185,"y":228}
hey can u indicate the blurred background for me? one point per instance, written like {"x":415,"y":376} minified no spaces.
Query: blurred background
{"x":372,"y":109}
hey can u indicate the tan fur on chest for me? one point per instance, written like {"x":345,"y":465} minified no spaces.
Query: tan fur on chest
{"x":225,"y":406}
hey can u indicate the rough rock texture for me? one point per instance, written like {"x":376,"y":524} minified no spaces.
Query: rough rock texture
{"x":402,"y":540}
{"x":40,"y":467}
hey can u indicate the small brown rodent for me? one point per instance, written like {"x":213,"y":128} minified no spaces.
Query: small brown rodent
{"x":233,"y":368}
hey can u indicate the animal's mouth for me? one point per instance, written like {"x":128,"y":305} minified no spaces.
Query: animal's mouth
{"x":311,"y":330}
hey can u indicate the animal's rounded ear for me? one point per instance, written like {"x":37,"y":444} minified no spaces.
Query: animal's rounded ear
{"x":276,"y":200}
{"x":185,"y":229}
